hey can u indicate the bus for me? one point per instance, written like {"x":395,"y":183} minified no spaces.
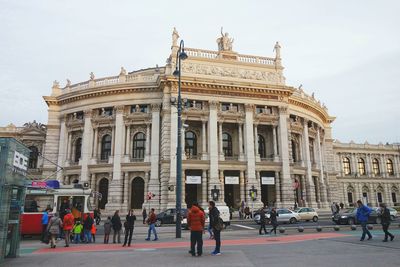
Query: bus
{"x":41,"y":198}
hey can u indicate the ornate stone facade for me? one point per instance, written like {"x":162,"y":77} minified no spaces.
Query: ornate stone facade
{"x":244,"y":129}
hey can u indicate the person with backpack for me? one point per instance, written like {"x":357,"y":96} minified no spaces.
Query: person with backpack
{"x":116,"y":225}
{"x":107,"y":229}
{"x":129,"y":225}
{"x":263,"y":220}
{"x":68,"y":223}
{"x":87,"y":228}
{"x":217,"y":226}
{"x":196,"y":221}
{"x":363,"y":213}
{"x":274,"y":220}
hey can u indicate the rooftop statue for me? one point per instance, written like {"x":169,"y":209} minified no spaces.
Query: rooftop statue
{"x":123,"y":71}
{"x":68,"y":83}
{"x":92,"y":76}
{"x":277,"y":49}
{"x":175,"y":37}
{"x":224,"y":42}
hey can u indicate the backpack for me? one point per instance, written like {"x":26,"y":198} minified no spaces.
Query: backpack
{"x":219,"y":225}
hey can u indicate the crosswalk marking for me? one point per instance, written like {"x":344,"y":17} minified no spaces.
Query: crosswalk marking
{"x":243,"y":226}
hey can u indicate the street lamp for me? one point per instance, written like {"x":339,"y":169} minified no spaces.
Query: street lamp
{"x":180,"y":55}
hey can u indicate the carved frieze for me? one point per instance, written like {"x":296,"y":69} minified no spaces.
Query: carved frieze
{"x":234,"y":72}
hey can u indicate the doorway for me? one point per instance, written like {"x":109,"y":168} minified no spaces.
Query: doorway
{"x":103,"y":190}
{"x":267,"y":181}
{"x":232,"y":189}
{"x":137,"y":193}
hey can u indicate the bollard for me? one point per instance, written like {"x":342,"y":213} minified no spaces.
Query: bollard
{"x":353,"y":227}
{"x":336,"y":227}
{"x":282,"y":230}
{"x":319,"y":228}
{"x":370,"y":227}
{"x":300,"y":229}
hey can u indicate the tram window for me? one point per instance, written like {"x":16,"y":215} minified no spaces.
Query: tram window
{"x":38,"y":203}
{"x":78,"y":203}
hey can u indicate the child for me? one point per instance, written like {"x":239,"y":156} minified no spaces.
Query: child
{"x":107,"y":229}
{"x":94,"y":232}
{"x":77,"y":230}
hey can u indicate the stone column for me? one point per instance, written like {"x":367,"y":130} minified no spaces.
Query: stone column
{"x":62,"y":147}
{"x":251,"y":161}
{"x":256,"y":142}
{"x":242,"y":187}
{"x":213,"y":179}
{"x":146,"y":185}
{"x":127,"y":143}
{"x":368,"y":165}
{"x":125,"y":201}
{"x":382,"y":165}
{"x":95,"y":143}
{"x":204,"y":194}
{"x":69,"y":147}
{"x":86,"y":146}
{"x":310,"y":187}
{"x":285,"y":179}
{"x":241,"y":154}
{"x":203,"y":140}
{"x":113,"y":140}
{"x":274,"y":143}
{"x":154,"y":183}
{"x":115,"y":188}
{"x":147,"y":148}
{"x":278,"y":200}
{"x":353,"y":164}
{"x":323,"y":196}
{"x":221,"y":150}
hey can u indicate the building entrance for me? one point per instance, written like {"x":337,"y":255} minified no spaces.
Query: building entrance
{"x":268,"y":194}
{"x":137,"y":193}
{"x":193,"y":183}
{"x":232,"y":189}
{"x":103,"y":190}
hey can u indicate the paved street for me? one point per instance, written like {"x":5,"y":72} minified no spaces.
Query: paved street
{"x":239,"y":247}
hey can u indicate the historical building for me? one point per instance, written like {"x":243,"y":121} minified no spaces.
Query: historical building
{"x":244,"y":128}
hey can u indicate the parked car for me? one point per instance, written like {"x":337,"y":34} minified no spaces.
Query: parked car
{"x":349,"y":216}
{"x":284,"y":216}
{"x":168,"y":216}
{"x":307,"y":214}
{"x":393,"y":212}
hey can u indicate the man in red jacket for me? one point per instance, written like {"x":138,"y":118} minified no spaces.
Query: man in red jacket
{"x":68,"y":224}
{"x":196,"y":221}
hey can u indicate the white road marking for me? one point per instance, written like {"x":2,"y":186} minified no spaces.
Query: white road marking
{"x":243,"y":226}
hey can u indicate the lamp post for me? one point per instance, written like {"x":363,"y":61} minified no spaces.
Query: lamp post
{"x":180,"y":55}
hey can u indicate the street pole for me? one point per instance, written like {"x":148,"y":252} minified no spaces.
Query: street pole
{"x":180,"y":55}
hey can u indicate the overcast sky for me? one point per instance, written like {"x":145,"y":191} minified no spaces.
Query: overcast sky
{"x":347,"y":52}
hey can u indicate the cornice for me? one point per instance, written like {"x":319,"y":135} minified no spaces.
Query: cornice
{"x":322,"y":114}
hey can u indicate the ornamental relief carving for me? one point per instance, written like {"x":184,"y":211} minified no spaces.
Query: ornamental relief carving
{"x":138,"y":129}
{"x":296,"y":126}
{"x":271,"y":77}
{"x":104,"y":131}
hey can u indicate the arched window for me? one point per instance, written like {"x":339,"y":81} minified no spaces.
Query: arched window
{"x":261,"y":146}
{"x":33,"y":157}
{"x":346,"y":166}
{"x":139,"y":144}
{"x":375,"y":167}
{"x":105,"y":147}
{"x":361,"y":166}
{"x":389,"y":167}
{"x":190,"y":143}
{"x":78,"y":149}
{"x":227,"y":144}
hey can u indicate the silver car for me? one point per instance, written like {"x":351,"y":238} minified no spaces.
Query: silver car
{"x":284,"y":216}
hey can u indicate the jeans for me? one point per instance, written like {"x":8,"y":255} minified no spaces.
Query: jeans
{"x":88,"y":236}
{"x":385,"y":228}
{"x":209,"y":229}
{"x":67,"y":234}
{"x":117,"y":233}
{"x":128,"y":232}
{"x":365,"y":231}
{"x":217,"y":237}
{"x":152,"y":228}
{"x":77,"y":238}
{"x":196,"y":237}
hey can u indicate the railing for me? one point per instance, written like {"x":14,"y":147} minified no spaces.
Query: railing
{"x":191,"y":52}
{"x":256,"y":60}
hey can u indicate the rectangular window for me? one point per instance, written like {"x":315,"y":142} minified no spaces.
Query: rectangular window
{"x":394,"y":197}
{"x":350,"y":197}
{"x":379,"y":197}
{"x":38,"y":203}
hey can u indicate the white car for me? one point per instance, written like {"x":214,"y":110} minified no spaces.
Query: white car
{"x":307,"y":214}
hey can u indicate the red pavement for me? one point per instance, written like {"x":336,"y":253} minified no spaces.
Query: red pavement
{"x":185,"y":244}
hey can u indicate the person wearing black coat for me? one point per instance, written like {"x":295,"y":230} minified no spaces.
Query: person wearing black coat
{"x":116,"y":225}
{"x":263,"y":221}
{"x":214,"y":217}
{"x":385,"y":221}
{"x":274,"y":220}
{"x":87,"y":228}
{"x":129,"y":225}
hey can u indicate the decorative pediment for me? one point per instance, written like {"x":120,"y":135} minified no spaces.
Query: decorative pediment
{"x":296,"y":126}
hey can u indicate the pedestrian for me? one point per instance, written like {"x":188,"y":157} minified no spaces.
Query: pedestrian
{"x":97,"y":215}
{"x":116,"y":225}
{"x":385,"y":221}
{"x":93,"y":232}
{"x":129,"y":226}
{"x":341,"y":205}
{"x":274,"y":220}
{"x":77,"y":231}
{"x":151,"y":221}
{"x":53,"y":228}
{"x":87,"y":228}
{"x":45,"y":221}
{"x":363,"y":213}
{"x":263,"y":220}
{"x":196,"y":222}
{"x":68,"y":224}
{"x":217,"y":225}
{"x":334,"y":208}
{"x":247,"y":213}
{"x":107,"y":229}
{"x":337,"y":207}
{"x":144,"y":214}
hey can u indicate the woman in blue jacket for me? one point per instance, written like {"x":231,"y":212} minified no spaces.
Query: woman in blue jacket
{"x":363,"y":213}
